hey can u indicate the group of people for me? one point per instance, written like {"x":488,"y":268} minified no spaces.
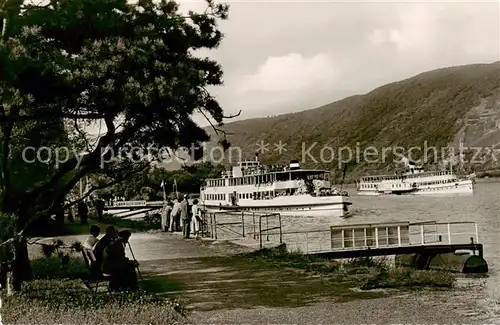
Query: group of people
{"x":109,"y":257}
{"x":176,"y":212}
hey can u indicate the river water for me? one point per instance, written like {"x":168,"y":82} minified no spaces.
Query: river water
{"x":483,"y":207}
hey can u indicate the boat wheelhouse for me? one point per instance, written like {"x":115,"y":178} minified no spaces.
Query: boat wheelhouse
{"x":415,"y":180}
{"x":289,"y":190}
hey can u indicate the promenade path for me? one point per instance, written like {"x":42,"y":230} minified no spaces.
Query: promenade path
{"x":225,"y":295}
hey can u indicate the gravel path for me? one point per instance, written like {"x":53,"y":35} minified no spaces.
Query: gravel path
{"x":393,"y":310}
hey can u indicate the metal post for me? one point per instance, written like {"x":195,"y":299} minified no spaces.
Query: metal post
{"x":243,"y":222}
{"x":422,"y":237}
{"x":281,"y":232}
{"x":376,"y":237}
{"x":267,"y":227}
{"x":399,"y":235}
{"x":215,"y":226}
{"x":253,"y":222}
{"x":449,"y":233}
{"x":260,"y":231}
{"x":211,"y":225}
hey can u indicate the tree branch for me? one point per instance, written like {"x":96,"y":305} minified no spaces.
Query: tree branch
{"x":232,"y":116}
{"x":44,"y":116}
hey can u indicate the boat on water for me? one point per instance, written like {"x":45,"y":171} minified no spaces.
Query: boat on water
{"x":416,"y":181}
{"x":288,"y":190}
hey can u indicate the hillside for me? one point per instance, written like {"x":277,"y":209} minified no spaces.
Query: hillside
{"x":441,"y":107}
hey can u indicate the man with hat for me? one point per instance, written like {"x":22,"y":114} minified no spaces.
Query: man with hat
{"x":121,"y":269}
{"x":185,"y":217}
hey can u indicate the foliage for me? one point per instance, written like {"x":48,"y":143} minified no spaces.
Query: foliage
{"x":129,"y":67}
{"x":54,"y":268}
{"x":109,"y":220}
{"x":147,"y":185}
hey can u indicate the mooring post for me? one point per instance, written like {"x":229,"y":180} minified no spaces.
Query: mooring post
{"x":399,"y":235}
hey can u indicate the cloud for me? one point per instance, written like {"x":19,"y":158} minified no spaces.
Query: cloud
{"x":290,"y":73}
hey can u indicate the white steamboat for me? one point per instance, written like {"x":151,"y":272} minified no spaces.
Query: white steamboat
{"x":416,"y":181}
{"x":288,"y":190}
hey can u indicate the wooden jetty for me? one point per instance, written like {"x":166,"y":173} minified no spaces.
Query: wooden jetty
{"x":134,"y":205}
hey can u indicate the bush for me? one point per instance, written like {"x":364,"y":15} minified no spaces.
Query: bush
{"x":53,"y":268}
{"x":58,"y":301}
{"x":409,"y":278}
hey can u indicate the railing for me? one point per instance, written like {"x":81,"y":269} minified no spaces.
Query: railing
{"x":267,"y":229}
{"x":129,"y":203}
{"x":378,"y":235}
{"x":231,"y":225}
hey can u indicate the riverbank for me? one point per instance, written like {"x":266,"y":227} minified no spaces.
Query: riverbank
{"x":217,"y":287}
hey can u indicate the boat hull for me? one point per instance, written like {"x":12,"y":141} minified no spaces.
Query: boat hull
{"x":460,"y":187}
{"x":336,"y":206}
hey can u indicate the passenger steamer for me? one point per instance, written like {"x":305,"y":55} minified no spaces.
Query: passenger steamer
{"x":288,"y":190}
{"x":414,"y":180}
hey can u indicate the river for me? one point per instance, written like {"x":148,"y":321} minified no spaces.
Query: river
{"x":483,"y":207}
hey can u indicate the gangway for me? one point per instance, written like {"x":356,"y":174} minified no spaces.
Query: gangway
{"x":377,"y":239}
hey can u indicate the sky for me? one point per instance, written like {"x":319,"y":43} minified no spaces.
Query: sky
{"x":289,"y":56}
{"x":281,"y":57}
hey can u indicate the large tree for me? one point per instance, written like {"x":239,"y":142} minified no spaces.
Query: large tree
{"x":133,"y":68}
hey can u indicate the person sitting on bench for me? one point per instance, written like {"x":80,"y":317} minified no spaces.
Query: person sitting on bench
{"x":121,"y":269}
{"x":101,"y":245}
{"x":92,"y":239}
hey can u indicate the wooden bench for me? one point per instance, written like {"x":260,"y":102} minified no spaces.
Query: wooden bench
{"x":95,"y":274}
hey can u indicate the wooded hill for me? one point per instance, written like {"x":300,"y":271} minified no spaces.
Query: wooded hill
{"x":434,"y":107}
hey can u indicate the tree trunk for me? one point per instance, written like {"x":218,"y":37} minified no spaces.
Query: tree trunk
{"x":21,"y":267}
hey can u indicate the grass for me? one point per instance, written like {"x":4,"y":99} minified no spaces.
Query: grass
{"x":275,"y":278}
{"x":66,"y":302}
{"x":58,"y":295}
{"x":77,"y":228}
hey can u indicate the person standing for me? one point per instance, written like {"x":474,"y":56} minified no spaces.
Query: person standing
{"x":185,"y":217}
{"x":174,"y":216}
{"x":195,"y":219}
{"x":83,"y":212}
{"x":165,"y":216}
{"x":99,"y":207}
